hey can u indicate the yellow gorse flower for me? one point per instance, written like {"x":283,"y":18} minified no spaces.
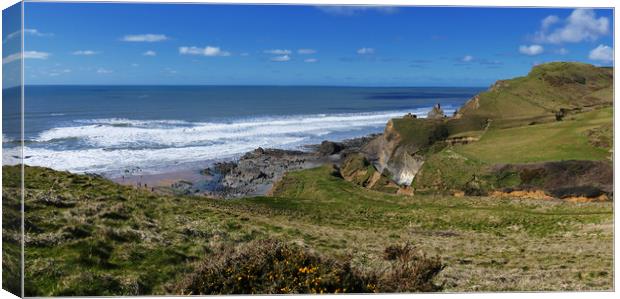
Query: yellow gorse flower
{"x":308,"y":270}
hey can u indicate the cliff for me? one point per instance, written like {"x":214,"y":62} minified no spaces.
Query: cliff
{"x":547,"y":95}
{"x":399,"y":153}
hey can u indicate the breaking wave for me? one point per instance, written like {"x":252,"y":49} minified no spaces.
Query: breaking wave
{"x":113,"y":145}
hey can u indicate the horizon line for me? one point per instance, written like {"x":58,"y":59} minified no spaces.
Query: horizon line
{"x":250,"y":85}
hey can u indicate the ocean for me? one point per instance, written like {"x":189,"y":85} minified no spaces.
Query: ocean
{"x":112,"y":130}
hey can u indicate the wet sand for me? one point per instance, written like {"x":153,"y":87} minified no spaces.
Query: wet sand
{"x":165,"y":179}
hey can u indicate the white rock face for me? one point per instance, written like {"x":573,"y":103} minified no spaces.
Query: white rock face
{"x":393,"y":159}
{"x":405,"y":169}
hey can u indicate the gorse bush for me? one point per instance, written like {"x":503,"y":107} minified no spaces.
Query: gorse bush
{"x":272,"y":267}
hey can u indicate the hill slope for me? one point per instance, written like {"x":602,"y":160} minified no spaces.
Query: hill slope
{"x":89,"y":236}
{"x":552,"y":114}
{"x":547,"y":89}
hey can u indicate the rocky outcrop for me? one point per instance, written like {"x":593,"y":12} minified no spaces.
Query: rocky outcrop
{"x":358,"y":170}
{"x":436,"y":112}
{"x":399,"y":152}
{"x":256,"y":171}
{"x":328,"y":148}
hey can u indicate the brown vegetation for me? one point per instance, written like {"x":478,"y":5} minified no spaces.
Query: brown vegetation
{"x":273,"y":267}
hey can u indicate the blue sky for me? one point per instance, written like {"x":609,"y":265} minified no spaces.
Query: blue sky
{"x":303,"y":45}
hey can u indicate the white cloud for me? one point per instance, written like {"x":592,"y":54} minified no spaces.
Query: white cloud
{"x":206,"y":51}
{"x":548,"y":21}
{"x":306,"y":51}
{"x":282,"y":58}
{"x":602,"y":53}
{"x":85,"y":52}
{"x":104,"y":71}
{"x":36,"y":55}
{"x":531,"y":50}
{"x":149,"y":38}
{"x":278,"y":52}
{"x":135,"y":65}
{"x":467,"y":58}
{"x":311,"y":60}
{"x":150,"y":53}
{"x":36,"y":32}
{"x":27,"y":55}
{"x":11,"y":58}
{"x":355,"y":10}
{"x":581,"y":25}
{"x":33,"y":32}
{"x":562,"y":51}
{"x":244,"y":54}
{"x":365,"y":51}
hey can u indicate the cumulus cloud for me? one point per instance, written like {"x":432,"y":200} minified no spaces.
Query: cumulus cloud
{"x":356,"y":10}
{"x":85,"y":52}
{"x":278,"y":52}
{"x":531,"y":50}
{"x":27,"y":55}
{"x":581,"y":25}
{"x":306,"y":51}
{"x":150,"y":53}
{"x":467,"y":58}
{"x":562,"y":51}
{"x":311,"y":60}
{"x":365,"y":51}
{"x":548,"y":21}
{"x":282,"y":58}
{"x":146,"y":38}
{"x":206,"y":51}
{"x":602,"y":53}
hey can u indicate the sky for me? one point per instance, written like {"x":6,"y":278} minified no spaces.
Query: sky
{"x":187,"y":44}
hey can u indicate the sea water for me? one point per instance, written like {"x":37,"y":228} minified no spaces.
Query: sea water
{"x":111,"y":130}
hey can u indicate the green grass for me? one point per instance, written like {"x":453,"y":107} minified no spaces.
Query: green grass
{"x":583,"y":136}
{"x":446,"y":172}
{"x":547,"y":88}
{"x":555,"y":141}
{"x":419,"y":132}
{"x":90,"y":236}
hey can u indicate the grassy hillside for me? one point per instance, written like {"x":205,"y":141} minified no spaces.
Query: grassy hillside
{"x":536,"y":97}
{"x":86,"y":235}
{"x":583,"y":136}
{"x":565,"y":140}
{"x":559,"y":111}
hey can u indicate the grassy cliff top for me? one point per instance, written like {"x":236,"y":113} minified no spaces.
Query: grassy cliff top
{"x":547,"y":88}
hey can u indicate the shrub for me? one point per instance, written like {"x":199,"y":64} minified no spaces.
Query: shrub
{"x":410,"y":271}
{"x":272,"y":267}
{"x":577,"y":191}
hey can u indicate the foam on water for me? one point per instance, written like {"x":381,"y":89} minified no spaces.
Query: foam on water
{"x":115,"y":162}
{"x":113,"y":145}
